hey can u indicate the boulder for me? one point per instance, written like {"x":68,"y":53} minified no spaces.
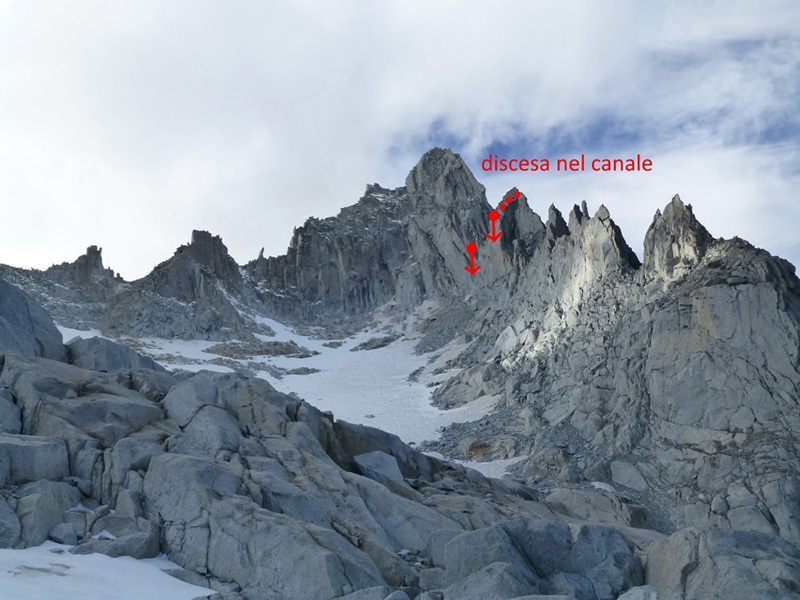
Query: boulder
{"x":41,"y":506}
{"x":101,"y":354}
{"x":131,"y":454}
{"x":437,"y":543}
{"x":626,"y":474}
{"x":179,"y":491}
{"x":212,"y":525}
{"x":31,"y":379}
{"x":596,"y":506}
{"x":210,"y":432}
{"x":104,"y":417}
{"x":277,"y":491}
{"x":151,"y":384}
{"x":433,"y":579}
{"x":64,"y":533}
{"x":641,"y":592}
{"x":725,"y":565}
{"x":355,"y":440}
{"x":546,"y":545}
{"x":10,"y":414}
{"x":408,"y":523}
{"x":575,"y":558}
{"x":499,"y":581}
{"x":26,"y":458}
{"x":270,"y":553}
{"x":604,"y":557}
{"x":75,"y":404}
{"x":129,"y":504}
{"x":247,"y":400}
{"x":76,"y":518}
{"x":25,"y":327}
{"x":393,"y":568}
{"x":470,"y":552}
{"x":10,"y":528}
{"x":115,"y":536}
{"x":378,"y":466}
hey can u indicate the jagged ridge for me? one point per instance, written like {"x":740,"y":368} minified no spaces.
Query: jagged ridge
{"x":673,"y":382}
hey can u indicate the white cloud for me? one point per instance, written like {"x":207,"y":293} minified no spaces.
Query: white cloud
{"x":128,"y":124}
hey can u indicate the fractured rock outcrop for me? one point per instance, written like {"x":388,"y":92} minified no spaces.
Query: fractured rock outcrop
{"x":25,"y":327}
{"x":405,"y":244}
{"x":674,"y":243}
{"x":75,"y":294}
{"x":258,"y":493}
{"x":645,"y":398}
{"x":675,"y":382}
{"x":187,"y":296}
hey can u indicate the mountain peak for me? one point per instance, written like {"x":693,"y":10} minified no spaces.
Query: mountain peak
{"x":442,"y":178}
{"x":675,"y":242}
{"x":209,"y":251}
{"x":207,"y":248}
{"x":85,"y":270}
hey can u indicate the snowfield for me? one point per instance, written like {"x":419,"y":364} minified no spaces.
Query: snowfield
{"x":368,"y":387}
{"x":49,"y":572}
{"x":372,"y":387}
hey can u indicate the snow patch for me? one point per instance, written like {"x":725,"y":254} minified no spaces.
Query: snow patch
{"x":49,"y":572}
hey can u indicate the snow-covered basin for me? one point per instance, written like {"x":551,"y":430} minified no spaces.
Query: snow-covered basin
{"x":40,"y":573}
{"x":372,"y":387}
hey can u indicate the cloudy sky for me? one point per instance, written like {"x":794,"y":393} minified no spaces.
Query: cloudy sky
{"x":128,"y":124}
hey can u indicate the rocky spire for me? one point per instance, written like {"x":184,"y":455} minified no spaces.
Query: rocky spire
{"x":89,"y":265}
{"x":615,"y":233}
{"x":556,"y":225}
{"x":209,"y":251}
{"x":674,"y":243}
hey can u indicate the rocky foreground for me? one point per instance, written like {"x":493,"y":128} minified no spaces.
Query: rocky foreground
{"x":654,"y":405}
{"x":260,"y":495}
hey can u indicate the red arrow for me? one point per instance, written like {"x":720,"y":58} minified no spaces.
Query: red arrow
{"x":472,"y":268}
{"x":495,"y":235}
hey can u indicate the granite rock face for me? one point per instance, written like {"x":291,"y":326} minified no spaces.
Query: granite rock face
{"x":735,"y":565}
{"x":25,"y":327}
{"x":674,"y":243}
{"x":646,"y":399}
{"x":188,"y":296}
{"x":347,"y":263}
{"x":259,"y":493}
{"x":406,"y":244}
{"x":673,"y":384}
